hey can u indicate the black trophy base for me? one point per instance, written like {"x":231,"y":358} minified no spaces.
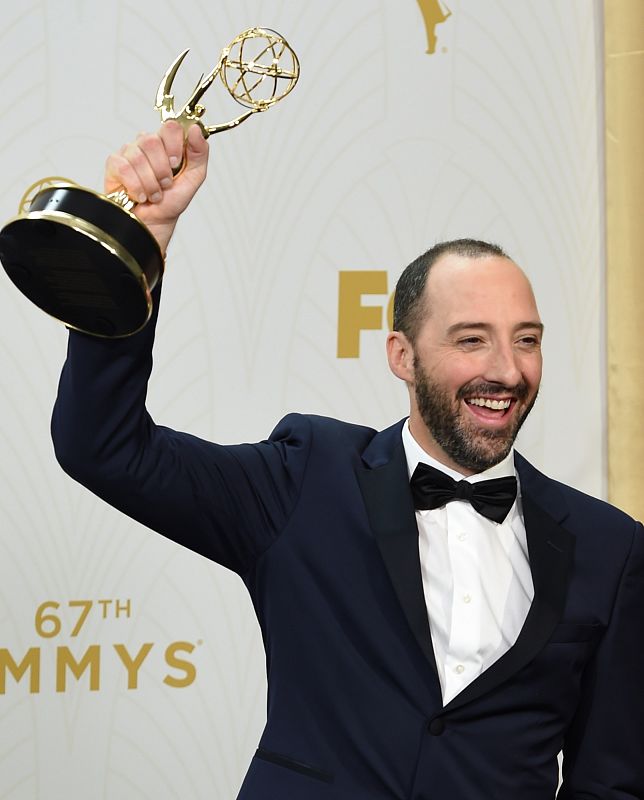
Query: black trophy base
{"x":84,"y":260}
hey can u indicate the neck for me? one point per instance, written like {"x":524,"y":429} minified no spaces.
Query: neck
{"x":424,"y":439}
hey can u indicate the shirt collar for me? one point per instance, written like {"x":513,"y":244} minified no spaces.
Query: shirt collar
{"x":414,"y":454}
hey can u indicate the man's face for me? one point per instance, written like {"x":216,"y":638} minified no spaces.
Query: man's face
{"x":476,"y":361}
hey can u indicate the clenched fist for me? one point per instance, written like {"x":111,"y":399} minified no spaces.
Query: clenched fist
{"x":144,"y":169}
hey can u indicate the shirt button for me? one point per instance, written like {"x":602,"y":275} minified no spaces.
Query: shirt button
{"x":459,"y":669}
{"x":436,"y":727}
{"x":467,"y":598}
{"x":462,"y":537}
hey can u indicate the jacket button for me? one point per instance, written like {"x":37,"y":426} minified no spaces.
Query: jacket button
{"x":436,"y":727}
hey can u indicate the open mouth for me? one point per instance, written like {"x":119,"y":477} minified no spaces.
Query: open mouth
{"x":491,"y":409}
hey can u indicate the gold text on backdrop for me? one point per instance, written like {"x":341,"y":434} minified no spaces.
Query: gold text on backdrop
{"x":353,"y":315}
{"x":61,"y":622}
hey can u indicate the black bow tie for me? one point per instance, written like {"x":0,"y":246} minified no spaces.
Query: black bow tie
{"x":493,"y":499}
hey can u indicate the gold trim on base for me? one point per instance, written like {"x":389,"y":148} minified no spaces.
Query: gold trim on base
{"x":104,"y":239}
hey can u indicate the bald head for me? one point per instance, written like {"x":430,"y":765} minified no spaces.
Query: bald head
{"x":488,"y":290}
{"x":409,"y":299}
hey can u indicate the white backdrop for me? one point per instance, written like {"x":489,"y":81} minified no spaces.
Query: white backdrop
{"x":380,"y":151}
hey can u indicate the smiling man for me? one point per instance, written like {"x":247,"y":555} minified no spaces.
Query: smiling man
{"x":440,"y":619}
{"x":467,"y":342}
{"x":469,"y":348}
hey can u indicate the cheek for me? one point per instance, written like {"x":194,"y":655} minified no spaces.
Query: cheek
{"x":449,"y":368}
{"x":458,"y":373}
{"x":531,"y":371}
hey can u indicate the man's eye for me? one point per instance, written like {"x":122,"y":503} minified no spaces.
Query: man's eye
{"x":470,"y":340}
{"x":529,"y":341}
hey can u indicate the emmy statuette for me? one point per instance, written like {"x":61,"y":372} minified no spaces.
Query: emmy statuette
{"x":85,"y":258}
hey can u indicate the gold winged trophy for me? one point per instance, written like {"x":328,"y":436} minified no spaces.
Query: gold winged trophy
{"x":85,"y":258}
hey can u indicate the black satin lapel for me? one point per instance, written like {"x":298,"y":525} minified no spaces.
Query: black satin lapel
{"x":550,"y":549}
{"x":387,"y":497}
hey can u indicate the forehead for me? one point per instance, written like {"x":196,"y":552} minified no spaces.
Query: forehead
{"x":491,"y":290}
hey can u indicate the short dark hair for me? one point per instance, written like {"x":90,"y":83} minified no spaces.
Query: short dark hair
{"x":408,"y":300}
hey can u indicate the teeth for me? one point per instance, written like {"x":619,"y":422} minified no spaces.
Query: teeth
{"x":497,"y":405}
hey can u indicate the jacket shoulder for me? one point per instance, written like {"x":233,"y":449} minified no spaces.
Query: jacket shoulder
{"x":326,"y":431}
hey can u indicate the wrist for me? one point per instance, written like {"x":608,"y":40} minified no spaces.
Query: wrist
{"x":163,"y":234}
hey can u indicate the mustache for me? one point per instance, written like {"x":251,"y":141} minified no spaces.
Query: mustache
{"x":520,"y":391}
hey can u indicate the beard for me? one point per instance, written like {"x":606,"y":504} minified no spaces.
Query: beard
{"x":470,"y":446}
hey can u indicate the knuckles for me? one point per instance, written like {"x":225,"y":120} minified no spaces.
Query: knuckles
{"x":150,"y":142}
{"x":124,"y":170}
{"x":138,"y":159}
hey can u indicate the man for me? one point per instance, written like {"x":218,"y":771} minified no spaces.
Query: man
{"x":429,"y":632}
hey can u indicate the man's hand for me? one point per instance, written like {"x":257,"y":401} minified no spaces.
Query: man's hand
{"x":144,"y":169}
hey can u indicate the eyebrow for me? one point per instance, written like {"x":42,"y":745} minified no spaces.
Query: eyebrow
{"x":486,"y":326}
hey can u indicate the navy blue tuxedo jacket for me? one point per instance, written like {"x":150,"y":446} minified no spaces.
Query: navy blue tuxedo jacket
{"x":318,"y":522}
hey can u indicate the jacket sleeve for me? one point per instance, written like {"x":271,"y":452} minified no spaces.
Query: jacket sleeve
{"x":604,"y":748}
{"x":227,"y":503}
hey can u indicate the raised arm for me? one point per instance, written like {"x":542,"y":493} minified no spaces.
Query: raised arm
{"x":227,"y":503}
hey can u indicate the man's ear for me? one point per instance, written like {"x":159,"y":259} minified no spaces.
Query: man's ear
{"x":400,"y":355}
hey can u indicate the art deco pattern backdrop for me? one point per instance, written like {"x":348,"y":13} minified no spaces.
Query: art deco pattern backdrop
{"x":130,"y":667}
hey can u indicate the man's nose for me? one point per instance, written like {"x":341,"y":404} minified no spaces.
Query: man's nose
{"x":502,"y":366}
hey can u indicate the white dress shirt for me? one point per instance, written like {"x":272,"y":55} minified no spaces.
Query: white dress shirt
{"x":476,"y":577}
